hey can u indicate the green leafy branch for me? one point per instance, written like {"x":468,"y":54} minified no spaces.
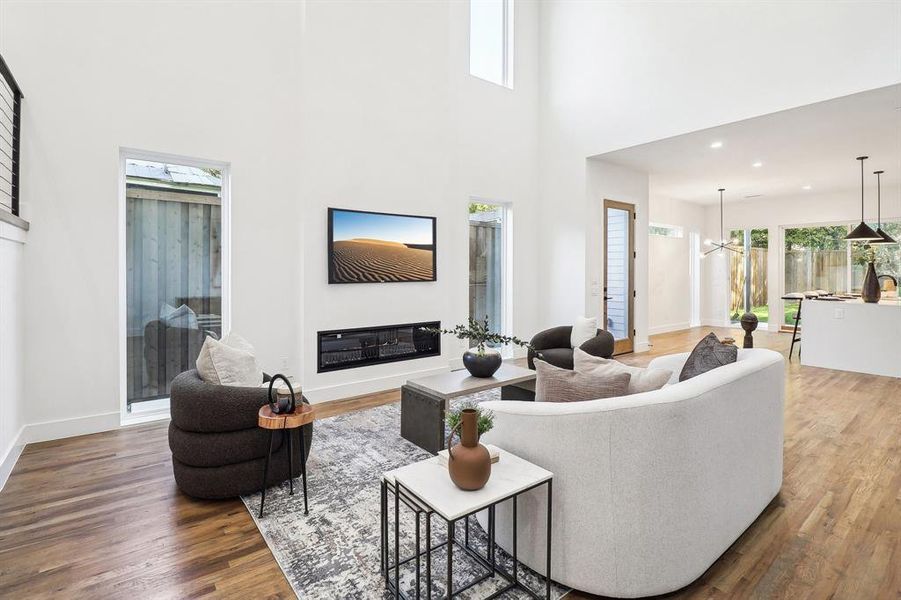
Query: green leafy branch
{"x":484,"y":419}
{"x":478,"y":332}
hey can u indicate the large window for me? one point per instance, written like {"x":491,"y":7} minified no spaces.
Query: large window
{"x":491,"y":41}
{"x":819,"y":258}
{"x":10,"y":125}
{"x":174,"y":271}
{"x":749,"y":269}
{"x":488,"y":251}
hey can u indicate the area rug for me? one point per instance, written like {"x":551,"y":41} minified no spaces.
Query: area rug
{"x":334,"y":551}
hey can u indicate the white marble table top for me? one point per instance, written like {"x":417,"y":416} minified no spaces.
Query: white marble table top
{"x":431,"y":483}
{"x":461,"y":383}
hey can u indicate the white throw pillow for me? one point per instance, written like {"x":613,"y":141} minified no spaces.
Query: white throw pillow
{"x":583,"y":330}
{"x":182,"y":316}
{"x":231,"y":361}
{"x":643,"y":380}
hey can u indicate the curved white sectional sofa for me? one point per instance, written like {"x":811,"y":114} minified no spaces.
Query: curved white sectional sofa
{"x":649,"y":489}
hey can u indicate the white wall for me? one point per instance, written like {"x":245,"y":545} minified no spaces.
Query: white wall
{"x":12,"y":346}
{"x":669,"y":277}
{"x":774,"y":214}
{"x":387,"y":128}
{"x":313,"y":104}
{"x":606,"y":181}
{"x":217,"y":81}
{"x":617,"y":74}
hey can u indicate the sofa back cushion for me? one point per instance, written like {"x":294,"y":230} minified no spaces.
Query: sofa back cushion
{"x":709,"y":354}
{"x":553,"y":384}
{"x":642,"y":380}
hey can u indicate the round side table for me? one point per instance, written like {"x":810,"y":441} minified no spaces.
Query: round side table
{"x":302,"y":415}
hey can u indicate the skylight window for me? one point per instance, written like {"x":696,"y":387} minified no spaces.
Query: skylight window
{"x":491,"y":41}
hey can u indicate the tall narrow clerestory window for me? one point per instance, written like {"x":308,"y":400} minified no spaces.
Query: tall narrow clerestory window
{"x":491,"y":41}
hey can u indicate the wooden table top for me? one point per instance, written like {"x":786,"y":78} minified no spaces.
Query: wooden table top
{"x":302,"y":415}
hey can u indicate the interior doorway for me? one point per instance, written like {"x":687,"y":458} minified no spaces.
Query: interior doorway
{"x":619,"y":274}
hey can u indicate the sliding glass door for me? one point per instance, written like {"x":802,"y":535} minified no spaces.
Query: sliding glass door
{"x":173,"y":274}
{"x":749,"y":274}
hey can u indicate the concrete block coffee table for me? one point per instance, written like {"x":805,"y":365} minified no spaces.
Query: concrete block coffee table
{"x":424,"y":401}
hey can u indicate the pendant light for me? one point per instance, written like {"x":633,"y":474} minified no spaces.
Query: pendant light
{"x":886,"y":238}
{"x":723,"y":244}
{"x":863,"y":232}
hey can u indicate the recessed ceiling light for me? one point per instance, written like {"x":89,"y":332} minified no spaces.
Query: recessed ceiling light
{"x":757,"y":165}
{"x":716,"y":145}
{"x":806,"y":187}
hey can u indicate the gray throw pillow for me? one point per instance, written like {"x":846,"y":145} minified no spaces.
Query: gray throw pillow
{"x":709,"y":354}
{"x":553,"y":384}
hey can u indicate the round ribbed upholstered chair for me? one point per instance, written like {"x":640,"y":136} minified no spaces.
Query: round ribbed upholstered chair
{"x":218,"y":450}
{"x":552,"y":346}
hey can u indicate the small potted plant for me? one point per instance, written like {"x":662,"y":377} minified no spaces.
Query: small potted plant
{"x":480,"y":360}
{"x":469,"y":462}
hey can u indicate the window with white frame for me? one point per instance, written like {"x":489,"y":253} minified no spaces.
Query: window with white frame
{"x":673,"y":231}
{"x":489,"y":264}
{"x":491,"y":41}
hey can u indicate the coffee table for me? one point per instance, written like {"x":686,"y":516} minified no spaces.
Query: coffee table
{"x":424,"y":401}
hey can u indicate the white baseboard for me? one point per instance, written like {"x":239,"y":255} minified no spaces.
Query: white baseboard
{"x":716,"y":323}
{"x":10,"y":457}
{"x":668,"y":328}
{"x":366,"y":386}
{"x":63,"y":428}
{"x":642,"y":346}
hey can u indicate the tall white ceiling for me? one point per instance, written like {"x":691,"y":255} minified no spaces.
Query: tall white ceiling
{"x":814,"y":145}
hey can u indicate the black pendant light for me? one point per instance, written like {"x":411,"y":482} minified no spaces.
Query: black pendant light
{"x":863,"y":232}
{"x":723,"y":244}
{"x":886,"y":238}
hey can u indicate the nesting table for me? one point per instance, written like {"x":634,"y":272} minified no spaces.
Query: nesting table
{"x":425,"y":488}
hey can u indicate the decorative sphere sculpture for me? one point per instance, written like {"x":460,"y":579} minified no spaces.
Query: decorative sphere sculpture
{"x":749,"y":324}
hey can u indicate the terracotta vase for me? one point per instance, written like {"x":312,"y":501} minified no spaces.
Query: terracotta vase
{"x":468,"y":462}
{"x":871,"y":291}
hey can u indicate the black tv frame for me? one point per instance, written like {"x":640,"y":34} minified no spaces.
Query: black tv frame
{"x":329,"y":252}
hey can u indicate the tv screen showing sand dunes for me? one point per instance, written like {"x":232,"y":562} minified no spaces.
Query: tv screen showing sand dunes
{"x":369,"y":247}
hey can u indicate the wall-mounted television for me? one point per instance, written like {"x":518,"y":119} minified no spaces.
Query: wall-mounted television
{"x":372,"y":247}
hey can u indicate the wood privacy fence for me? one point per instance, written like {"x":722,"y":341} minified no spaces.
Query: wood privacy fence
{"x":759,"y":257}
{"x":173,"y":256}
{"x":816,"y":270}
{"x":485,"y":254}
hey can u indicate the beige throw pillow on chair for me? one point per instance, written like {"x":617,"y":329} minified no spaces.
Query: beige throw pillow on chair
{"x":553,"y":384}
{"x":643,"y":380}
{"x":231,"y":361}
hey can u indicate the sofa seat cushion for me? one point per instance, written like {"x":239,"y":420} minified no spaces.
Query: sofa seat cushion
{"x":709,"y":354}
{"x":559,"y":357}
{"x":643,"y":380}
{"x":553,"y":384}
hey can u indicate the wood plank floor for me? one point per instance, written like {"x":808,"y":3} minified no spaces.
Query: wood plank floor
{"x":99,"y":516}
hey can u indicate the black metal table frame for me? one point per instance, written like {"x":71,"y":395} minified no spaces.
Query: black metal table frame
{"x":488,"y":562}
{"x":303,"y":465}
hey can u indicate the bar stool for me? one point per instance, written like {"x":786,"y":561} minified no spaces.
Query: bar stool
{"x":796,"y":339}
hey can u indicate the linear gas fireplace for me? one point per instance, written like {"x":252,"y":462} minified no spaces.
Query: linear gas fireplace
{"x":349,"y":348}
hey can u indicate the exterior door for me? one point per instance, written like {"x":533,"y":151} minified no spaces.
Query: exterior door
{"x":619,"y":274}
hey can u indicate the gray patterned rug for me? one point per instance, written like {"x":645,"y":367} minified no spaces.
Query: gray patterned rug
{"x":334,"y":552}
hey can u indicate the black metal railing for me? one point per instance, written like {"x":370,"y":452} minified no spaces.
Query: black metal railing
{"x":10,"y":138}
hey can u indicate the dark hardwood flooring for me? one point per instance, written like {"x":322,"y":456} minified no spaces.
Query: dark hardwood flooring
{"x":99,"y":516}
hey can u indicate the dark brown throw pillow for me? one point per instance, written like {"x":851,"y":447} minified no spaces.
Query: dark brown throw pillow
{"x":709,"y":354}
{"x":553,"y":384}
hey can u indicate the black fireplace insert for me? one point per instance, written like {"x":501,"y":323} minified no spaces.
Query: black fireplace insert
{"x":363,"y":346}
